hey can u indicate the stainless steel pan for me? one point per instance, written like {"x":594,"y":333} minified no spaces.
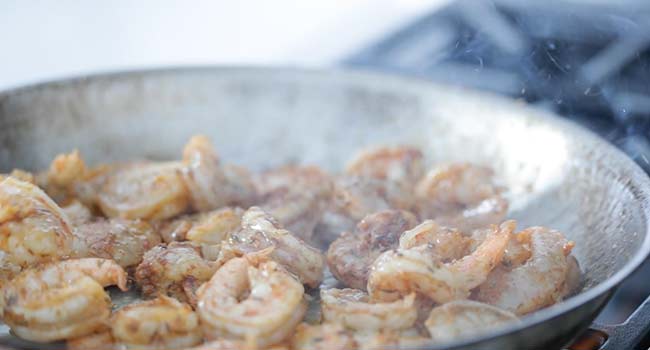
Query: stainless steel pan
{"x":559,"y":175}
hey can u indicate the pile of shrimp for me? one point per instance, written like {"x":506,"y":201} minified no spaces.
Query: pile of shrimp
{"x":386,"y":253}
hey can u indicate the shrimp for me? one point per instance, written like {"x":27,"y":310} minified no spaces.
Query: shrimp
{"x":350,"y":256}
{"x":175,"y":270}
{"x":78,"y":213}
{"x":210,"y":184}
{"x":253,"y":300}
{"x":353,"y":198}
{"x":399,"y":164}
{"x":326,"y":336}
{"x":464,"y":318}
{"x":399,"y":272}
{"x":260,"y":231}
{"x":296,"y":196}
{"x":33,"y":229}
{"x":461,"y":195}
{"x":445,"y":242}
{"x":206,"y":230}
{"x":21,"y":175}
{"x":145,"y":191}
{"x":101,"y":340}
{"x":389,"y":339}
{"x":538,"y":282}
{"x":124,"y":241}
{"x":60,"y":300}
{"x":154,"y":324}
{"x":353,"y":309}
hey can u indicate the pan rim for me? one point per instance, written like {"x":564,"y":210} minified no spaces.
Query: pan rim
{"x":639,"y":182}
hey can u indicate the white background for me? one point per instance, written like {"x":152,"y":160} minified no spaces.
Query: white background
{"x":42,"y":40}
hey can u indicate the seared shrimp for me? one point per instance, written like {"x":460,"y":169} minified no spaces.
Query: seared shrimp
{"x":124,"y":241}
{"x":402,"y":271}
{"x":326,"y":336}
{"x":539,"y":282}
{"x":145,"y":191}
{"x":60,"y":300}
{"x":206,"y":228}
{"x":33,"y":229}
{"x":260,"y":231}
{"x":445,"y":243}
{"x":175,"y":270}
{"x":21,"y":175}
{"x":350,"y":256}
{"x":400,"y":164}
{"x":461,"y":195}
{"x":101,"y":340}
{"x":463,"y":318}
{"x":159,"y":323}
{"x":78,"y":213}
{"x":353,"y":198}
{"x":296,"y":197}
{"x":261,"y":303}
{"x":211,"y":185}
{"x":353,"y":309}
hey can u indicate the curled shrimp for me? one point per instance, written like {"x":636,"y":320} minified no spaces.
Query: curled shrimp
{"x":445,"y":242}
{"x":353,"y":198}
{"x":461,"y":195}
{"x":175,"y":269}
{"x":212,"y":185}
{"x":215,"y":226}
{"x":260,"y":231}
{"x":33,"y":229}
{"x":399,"y":272}
{"x":350,"y":256}
{"x":154,"y":324}
{"x":353,"y":309}
{"x":60,"y":300}
{"x":124,"y":241}
{"x":400,"y":164}
{"x":538,"y":282}
{"x":326,"y":336}
{"x":296,"y":196}
{"x":101,"y":340}
{"x":144,"y":191}
{"x":463,"y":318}
{"x":252,"y":300}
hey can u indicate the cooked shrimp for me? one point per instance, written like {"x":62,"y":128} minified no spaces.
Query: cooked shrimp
{"x":211,"y":185}
{"x":464,"y":318}
{"x":101,"y":340}
{"x":353,"y":309}
{"x":445,"y":242}
{"x":226,"y":344}
{"x":260,"y":231}
{"x":353,"y":198}
{"x":461,"y":195}
{"x":399,"y":272}
{"x":154,"y":324}
{"x":215,"y":226}
{"x":175,"y":269}
{"x":296,"y":196}
{"x":400,"y":164}
{"x":145,"y":191}
{"x":60,"y":300}
{"x":389,"y":339}
{"x":326,"y":336}
{"x":537,"y":283}
{"x":21,"y":175}
{"x":33,"y":229}
{"x":244,"y":301}
{"x":124,"y":241}
{"x":350,"y":256}
{"x":78,"y":213}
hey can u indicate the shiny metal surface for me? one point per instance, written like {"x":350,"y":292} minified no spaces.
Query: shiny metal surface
{"x":559,"y":175}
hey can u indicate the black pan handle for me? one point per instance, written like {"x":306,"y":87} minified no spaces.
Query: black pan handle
{"x":628,"y":334}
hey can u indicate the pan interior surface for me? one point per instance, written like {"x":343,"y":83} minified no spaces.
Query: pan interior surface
{"x":558,"y":175}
